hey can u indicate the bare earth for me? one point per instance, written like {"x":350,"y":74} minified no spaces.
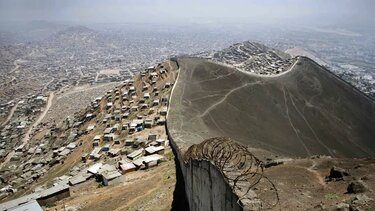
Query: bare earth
{"x":142,"y":190}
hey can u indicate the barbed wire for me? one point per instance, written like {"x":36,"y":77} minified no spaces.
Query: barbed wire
{"x":240,"y":168}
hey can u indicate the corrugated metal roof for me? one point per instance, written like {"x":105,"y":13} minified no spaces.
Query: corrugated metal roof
{"x":94,"y":168}
{"x":29,"y":206}
{"x":32,"y":197}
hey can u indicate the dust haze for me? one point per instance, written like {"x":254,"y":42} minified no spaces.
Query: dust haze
{"x":200,"y":12}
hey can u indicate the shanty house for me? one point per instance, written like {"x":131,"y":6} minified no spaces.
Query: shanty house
{"x":164,"y":111}
{"x":127,"y":167}
{"x":154,"y":150}
{"x":109,"y":137}
{"x":135,"y":154}
{"x":148,"y":123}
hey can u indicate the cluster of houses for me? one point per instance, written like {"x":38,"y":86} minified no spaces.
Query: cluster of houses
{"x":127,"y":133}
{"x":255,"y":58}
{"x":135,"y":108}
{"x":35,"y":159}
{"x":25,"y":112}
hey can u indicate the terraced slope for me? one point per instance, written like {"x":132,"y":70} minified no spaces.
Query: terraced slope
{"x":301,"y":112}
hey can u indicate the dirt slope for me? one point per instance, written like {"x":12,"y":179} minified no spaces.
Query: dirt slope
{"x":303,"y":112}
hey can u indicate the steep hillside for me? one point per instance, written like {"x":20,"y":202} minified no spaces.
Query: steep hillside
{"x":300,"y":112}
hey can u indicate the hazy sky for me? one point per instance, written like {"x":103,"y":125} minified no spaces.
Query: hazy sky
{"x":192,"y":11}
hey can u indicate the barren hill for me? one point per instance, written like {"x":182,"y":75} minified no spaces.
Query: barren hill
{"x":301,"y":112}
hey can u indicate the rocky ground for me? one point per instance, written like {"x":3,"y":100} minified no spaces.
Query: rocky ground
{"x":321,"y":183}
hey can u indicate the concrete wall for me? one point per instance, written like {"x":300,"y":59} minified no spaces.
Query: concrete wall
{"x":205,"y":186}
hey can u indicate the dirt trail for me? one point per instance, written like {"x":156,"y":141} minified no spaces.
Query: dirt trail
{"x":225,"y":97}
{"x":10,"y":115}
{"x":316,"y":173}
{"x":16,"y":67}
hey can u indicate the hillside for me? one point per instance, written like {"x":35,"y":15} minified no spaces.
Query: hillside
{"x":301,"y":112}
{"x":116,"y":147}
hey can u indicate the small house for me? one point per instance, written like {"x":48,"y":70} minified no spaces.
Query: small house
{"x":109,"y":137}
{"x":109,"y":105}
{"x":109,"y":130}
{"x":129,"y":142}
{"x":152,"y":137}
{"x":94,"y":168}
{"x":127,"y":167}
{"x":135,"y":154}
{"x":125,"y":115}
{"x":161,"y":142}
{"x":95,"y":153}
{"x":132,"y":128}
{"x":71,"y":146}
{"x":95,"y":143}
{"x":144,"y":106}
{"x":108,"y":176}
{"x":164,"y":111}
{"x":84,"y":157}
{"x":97,"y":138}
{"x":154,"y":150}
{"x":156,"y":102}
{"x":114,"y":152}
{"x":106,"y":147}
{"x":161,"y":121}
{"x":148,"y":123}
{"x":117,"y":141}
{"x":125,"y":126}
{"x":98,"y":99}
{"x":150,"y":69}
{"x":134,"y":108}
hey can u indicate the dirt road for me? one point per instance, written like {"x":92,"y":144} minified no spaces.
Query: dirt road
{"x":40,"y":118}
